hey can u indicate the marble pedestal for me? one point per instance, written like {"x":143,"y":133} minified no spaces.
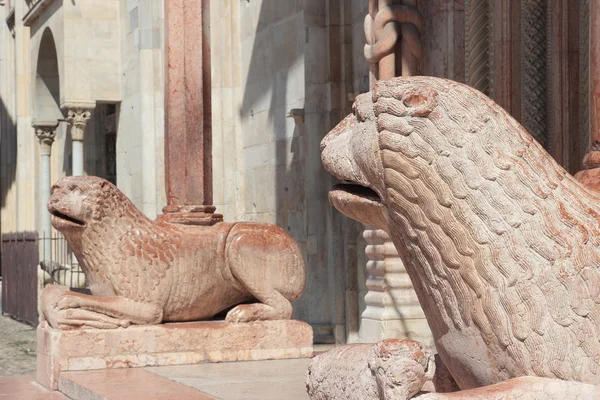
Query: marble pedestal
{"x":167,"y":344}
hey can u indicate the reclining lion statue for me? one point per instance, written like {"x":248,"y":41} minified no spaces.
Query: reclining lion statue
{"x":147,"y":272}
{"x":501,"y":243}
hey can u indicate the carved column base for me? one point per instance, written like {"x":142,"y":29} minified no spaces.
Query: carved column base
{"x":392,"y":308}
{"x":191,"y":215}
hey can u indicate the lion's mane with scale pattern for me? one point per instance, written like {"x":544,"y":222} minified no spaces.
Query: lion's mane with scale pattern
{"x":494,"y":233}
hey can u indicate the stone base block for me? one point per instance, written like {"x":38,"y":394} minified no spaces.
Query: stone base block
{"x":167,"y":344}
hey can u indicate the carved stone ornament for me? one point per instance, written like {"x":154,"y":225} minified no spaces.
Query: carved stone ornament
{"x":78,"y":116}
{"x":501,"y":243}
{"x":393,"y":368}
{"x":45,"y":131}
{"x":391,"y":23}
{"x":147,"y":272}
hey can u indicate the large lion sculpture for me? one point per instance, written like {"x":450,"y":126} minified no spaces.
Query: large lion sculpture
{"x":501,"y":243}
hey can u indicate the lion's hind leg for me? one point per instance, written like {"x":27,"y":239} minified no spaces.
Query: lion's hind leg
{"x":257,"y":269}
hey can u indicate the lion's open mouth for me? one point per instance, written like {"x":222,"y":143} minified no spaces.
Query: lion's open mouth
{"x":66,"y":219}
{"x":357,"y":190}
{"x":360,"y":203}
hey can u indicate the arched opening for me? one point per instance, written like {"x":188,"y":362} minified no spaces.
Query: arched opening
{"x":47,"y":84}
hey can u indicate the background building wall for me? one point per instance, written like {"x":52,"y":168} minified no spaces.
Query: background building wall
{"x":140,"y":127}
{"x":282,"y":78}
{"x":26,"y":152}
{"x":91,"y":50}
{"x":8,"y":126}
{"x":530,"y":56}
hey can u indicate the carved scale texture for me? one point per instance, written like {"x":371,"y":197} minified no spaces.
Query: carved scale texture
{"x":477,"y":50}
{"x":534,"y":76}
{"x":118,"y":240}
{"x":497,"y":237}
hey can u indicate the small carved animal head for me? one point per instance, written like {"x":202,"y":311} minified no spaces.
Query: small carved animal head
{"x":79,"y":202}
{"x":352,"y":151}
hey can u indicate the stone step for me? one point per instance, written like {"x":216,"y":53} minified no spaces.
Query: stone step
{"x":25,"y":388}
{"x":128,"y":383}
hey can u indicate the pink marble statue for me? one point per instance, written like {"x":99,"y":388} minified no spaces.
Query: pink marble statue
{"x":501,"y":243}
{"x":146,"y":272}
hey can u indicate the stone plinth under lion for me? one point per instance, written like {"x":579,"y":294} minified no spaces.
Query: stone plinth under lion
{"x":502,"y":245}
{"x":144,"y":272}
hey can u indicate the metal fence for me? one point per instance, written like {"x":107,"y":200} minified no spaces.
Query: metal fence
{"x":20,"y":276}
{"x":62,"y":267}
{"x":23,"y":273}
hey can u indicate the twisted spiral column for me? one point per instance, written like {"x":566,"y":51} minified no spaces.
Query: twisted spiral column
{"x":477,"y":44}
{"x":534,"y":103}
{"x":395,"y":28}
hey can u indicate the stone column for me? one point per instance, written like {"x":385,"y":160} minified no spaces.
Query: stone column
{"x":78,"y":115}
{"x":593,"y":157}
{"x":394,"y":48}
{"x":45,"y":132}
{"x":590,"y":176}
{"x":188,"y":136}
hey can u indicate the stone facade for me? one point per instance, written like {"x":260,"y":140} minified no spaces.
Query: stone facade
{"x":284,"y":72}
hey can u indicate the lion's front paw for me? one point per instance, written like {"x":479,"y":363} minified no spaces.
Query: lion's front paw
{"x":75,"y":318}
{"x":60,"y":308}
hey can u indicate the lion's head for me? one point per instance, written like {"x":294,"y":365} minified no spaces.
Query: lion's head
{"x":78,"y":203}
{"x":352,"y":151}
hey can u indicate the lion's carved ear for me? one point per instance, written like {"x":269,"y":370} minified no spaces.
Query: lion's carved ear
{"x":420,"y":101}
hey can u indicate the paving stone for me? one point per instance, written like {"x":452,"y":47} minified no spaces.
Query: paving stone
{"x":130,"y":384}
{"x":25,"y":388}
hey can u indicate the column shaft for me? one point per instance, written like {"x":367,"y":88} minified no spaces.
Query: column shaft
{"x":77,"y":158}
{"x":188,"y":136}
{"x":594,"y":160}
{"x":45,"y":215}
{"x":590,"y":175}
{"x":78,"y":114}
{"x":45,"y":132}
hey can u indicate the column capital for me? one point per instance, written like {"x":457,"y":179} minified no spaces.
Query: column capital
{"x":45,"y":132}
{"x":78,"y":114}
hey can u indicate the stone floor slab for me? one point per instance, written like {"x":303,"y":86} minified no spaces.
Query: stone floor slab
{"x":250,"y":380}
{"x":25,"y":388}
{"x":130,"y":384}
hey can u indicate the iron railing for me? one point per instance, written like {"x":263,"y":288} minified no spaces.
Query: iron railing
{"x":20,"y":276}
{"x":62,"y":267}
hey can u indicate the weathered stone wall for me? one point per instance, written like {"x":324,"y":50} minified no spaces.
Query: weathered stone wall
{"x":46,"y":50}
{"x":91,"y":57}
{"x":26,"y":147}
{"x":282,"y":77}
{"x":140,"y":135}
{"x":8,"y":126}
